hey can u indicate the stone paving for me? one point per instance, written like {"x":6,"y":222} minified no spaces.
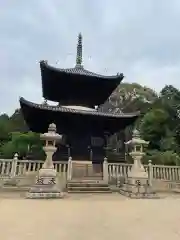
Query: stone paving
{"x":90,"y":217}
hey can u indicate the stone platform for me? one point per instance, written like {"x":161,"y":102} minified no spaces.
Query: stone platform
{"x":45,"y":187}
{"x":137,"y":191}
{"x":44,"y":195}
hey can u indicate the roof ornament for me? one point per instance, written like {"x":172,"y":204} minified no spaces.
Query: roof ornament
{"x":79,"y":52}
{"x":136,"y":133}
{"x":45,"y":103}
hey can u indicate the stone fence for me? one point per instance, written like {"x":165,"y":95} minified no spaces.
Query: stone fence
{"x":10,"y":168}
{"x":157,"y":172}
{"x":19,"y":168}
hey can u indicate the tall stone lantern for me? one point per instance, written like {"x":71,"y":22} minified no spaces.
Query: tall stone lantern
{"x":50,"y":138}
{"x":137,"y":182}
{"x":47,"y":185}
{"x":137,"y":145}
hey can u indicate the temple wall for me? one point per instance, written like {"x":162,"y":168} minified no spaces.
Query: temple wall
{"x":91,"y":148}
{"x":81,"y":147}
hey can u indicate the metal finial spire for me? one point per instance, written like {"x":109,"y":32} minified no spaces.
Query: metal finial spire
{"x":79,"y":51}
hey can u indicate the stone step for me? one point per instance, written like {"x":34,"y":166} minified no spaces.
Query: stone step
{"x":87,"y":181}
{"x":90,"y":188}
{"x":92,"y":178}
{"x":87,"y":185}
{"x":89,"y":191}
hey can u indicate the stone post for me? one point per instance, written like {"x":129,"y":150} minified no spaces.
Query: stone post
{"x":14,"y":165}
{"x":105,"y":170}
{"x":150,"y":172}
{"x":69,"y":175}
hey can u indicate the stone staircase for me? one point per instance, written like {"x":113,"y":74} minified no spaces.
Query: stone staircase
{"x":88,"y":186}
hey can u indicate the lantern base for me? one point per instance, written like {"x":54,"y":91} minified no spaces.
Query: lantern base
{"x":46,"y":186}
{"x":137,"y":188}
{"x":43,"y":195}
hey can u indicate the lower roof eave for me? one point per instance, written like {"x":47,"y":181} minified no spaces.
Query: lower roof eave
{"x":38,"y":116}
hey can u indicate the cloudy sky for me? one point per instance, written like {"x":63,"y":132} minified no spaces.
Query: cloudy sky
{"x":140,"y":38}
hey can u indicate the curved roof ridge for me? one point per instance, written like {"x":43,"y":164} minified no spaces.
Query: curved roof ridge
{"x":77,"y":111}
{"x":80,"y":71}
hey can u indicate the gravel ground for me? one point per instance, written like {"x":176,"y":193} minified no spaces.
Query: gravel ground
{"x":90,"y":217}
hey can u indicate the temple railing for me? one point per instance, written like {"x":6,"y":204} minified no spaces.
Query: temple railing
{"x":158,"y":172}
{"x":111,"y":171}
{"x":14,"y":167}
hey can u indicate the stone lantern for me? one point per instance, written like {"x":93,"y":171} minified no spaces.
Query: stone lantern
{"x":137,"y":145}
{"x":47,"y":185}
{"x":50,"y":138}
{"x":137,"y":183}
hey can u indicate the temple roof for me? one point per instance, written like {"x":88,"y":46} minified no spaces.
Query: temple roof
{"x":78,"y":111}
{"x":79,"y":70}
{"x":38,"y":116}
{"x":76,"y":85}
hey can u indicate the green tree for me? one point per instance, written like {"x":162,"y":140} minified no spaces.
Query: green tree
{"x":25,"y":144}
{"x":4,"y":128}
{"x":8,"y":150}
{"x":163,"y":158}
{"x":154,"y":127}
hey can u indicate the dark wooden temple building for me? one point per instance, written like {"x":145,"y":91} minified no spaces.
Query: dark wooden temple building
{"x":78,"y":115}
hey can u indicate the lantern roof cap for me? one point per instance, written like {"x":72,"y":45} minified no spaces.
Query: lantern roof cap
{"x":136,"y":139}
{"x":51,"y":134}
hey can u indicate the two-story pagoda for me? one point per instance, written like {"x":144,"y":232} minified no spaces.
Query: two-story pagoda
{"x":79,"y":94}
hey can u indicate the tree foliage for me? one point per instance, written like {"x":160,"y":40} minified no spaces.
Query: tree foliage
{"x":161,"y":126}
{"x":154,"y":127}
{"x":15,"y":138}
{"x":130,"y":98}
{"x":159,"y":122}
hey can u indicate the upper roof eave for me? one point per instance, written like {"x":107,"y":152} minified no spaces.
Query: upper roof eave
{"x":79,"y":70}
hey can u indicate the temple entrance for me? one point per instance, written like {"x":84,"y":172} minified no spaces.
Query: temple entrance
{"x":87,"y":170}
{"x":87,"y":157}
{"x":79,"y":150}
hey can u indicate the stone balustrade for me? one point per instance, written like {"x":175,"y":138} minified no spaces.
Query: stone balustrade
{"x":15,"y":167}
{"x":155,"y":172}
